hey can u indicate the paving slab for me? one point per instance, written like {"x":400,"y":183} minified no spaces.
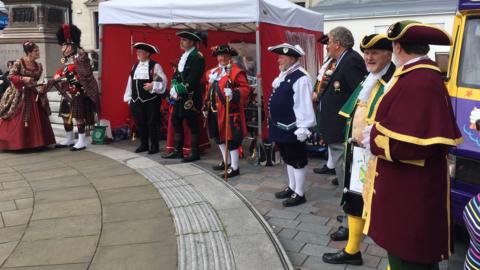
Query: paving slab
{"x":63,"y":228}
{"x":53,"y":251}
{"x":135,"y":257}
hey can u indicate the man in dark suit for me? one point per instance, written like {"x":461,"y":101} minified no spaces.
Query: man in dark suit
{"x":186,"y":93}
{"x":349,"y":72}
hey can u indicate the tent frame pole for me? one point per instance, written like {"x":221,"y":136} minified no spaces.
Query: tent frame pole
{"x":259,"y":81}
{"x":100,"y":47}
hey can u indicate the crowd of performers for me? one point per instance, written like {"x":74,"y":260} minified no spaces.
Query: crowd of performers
{"x":389,"y":107}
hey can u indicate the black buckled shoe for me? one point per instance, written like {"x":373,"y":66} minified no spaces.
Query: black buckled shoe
{"x":77,"y":149}
{"x":335,"y":181}
{"x":342,"y":257}
{"x":340,"y":218}
{"x":220,"y":166}
{"x":286,"y":193}
{"x":340,"y":235}
{"x":172,"y":155}
{"x":324,"y":170}
{"x":230,"y":173}
{"x":294,"y":200}
{"x":141,"y":148}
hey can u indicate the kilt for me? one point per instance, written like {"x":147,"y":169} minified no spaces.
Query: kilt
{"x":81,"y":107}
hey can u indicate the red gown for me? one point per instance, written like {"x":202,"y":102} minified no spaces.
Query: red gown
{"x":24,"y":121}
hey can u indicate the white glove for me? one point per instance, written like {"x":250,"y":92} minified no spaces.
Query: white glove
{"x":173,"y":93}
{"x":205,"y":114}
{"x":158,"y":85}
{"x":302,"y":134}
{"x":366,"y":136}
{"x":228,"y":92}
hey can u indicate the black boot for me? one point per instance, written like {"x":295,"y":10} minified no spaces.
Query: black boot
{"x":143,"y":143}
{"x":141,"y":148}
{"x":177,"y":148}
{"x":153,"y":148}
{"x":194,"y":152}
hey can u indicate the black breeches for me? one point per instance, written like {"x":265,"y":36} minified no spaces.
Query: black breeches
{"x":147,"y":119}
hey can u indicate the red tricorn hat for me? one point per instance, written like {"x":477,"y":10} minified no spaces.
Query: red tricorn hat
{"x":414,"y":32}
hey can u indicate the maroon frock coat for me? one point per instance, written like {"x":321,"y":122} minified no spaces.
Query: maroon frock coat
{"x":414,"y":128}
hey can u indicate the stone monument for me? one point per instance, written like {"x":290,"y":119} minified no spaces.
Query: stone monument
{"x":37,"y":21}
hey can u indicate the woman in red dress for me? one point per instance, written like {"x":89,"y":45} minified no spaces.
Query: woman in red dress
{"x":24,"y":108}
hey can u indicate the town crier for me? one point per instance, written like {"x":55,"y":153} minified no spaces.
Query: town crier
{"x":226,"y":83}
{"x":407,"y":193}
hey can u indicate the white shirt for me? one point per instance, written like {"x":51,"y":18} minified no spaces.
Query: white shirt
{"x":302,"y":98}
{"x":142,"y":73}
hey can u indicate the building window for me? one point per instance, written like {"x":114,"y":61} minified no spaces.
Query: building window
{"x":23,"y":15}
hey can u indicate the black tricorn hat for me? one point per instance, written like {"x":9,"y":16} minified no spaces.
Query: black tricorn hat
{"x":287,"y":49}
{"x":376,"y":41}
{"x":69,"y":34}
{"x":323,"y":39}
{"x":193,"y":35}
{"x":224,"y":49}
{"x":146,"y":47}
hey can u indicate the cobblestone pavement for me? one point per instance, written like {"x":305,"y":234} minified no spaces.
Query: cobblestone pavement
{"x":303,"y":230}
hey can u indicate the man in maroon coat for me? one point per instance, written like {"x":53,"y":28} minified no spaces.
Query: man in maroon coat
{"x":407,"y":207}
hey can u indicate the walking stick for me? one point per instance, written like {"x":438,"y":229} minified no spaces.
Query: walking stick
{"x":228,"y":69}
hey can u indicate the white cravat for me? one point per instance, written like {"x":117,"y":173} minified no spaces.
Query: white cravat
{"x":142,"y":72}
{"x":281,"y":77}
{"x":183,"y":59}
{"x":370,"y":83}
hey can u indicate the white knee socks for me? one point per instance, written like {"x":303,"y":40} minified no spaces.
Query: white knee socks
{"x":291,"y":177}
{"x":234,"y":156}
{"x":330,"y":163}
{"x":222,"y":149}
{"x":300,"y":180}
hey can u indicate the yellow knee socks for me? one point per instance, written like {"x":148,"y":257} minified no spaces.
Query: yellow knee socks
{"x":355,"y":228}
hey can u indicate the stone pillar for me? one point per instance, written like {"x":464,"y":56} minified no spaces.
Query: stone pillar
{"x":37,"y":21}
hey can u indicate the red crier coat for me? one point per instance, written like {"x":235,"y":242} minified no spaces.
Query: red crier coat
{"x":414,"y":128}
{"x":240,"y":85}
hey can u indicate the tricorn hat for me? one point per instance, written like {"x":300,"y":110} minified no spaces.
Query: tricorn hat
{"x":146,"y":47}
{"x":323,"y":39}
{"x":224,"y":49}
{"x":69,"y":34}
{"x":287,"y":49}
{"x":414,"y":32}
{"x":376,"y":41}
{"x":193,"y":35}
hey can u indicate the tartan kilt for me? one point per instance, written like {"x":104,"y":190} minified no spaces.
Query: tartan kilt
{"x":81,"y":107}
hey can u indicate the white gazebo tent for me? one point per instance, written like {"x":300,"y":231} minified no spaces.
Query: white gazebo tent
{"x":266,"y":22}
